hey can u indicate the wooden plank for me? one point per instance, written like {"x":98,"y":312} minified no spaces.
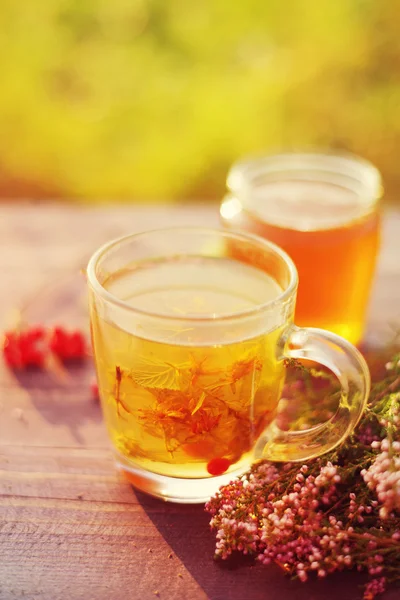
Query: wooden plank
{"x":28,"y":232}
{"x":53,"y":550}
{"x":62,"y":473}
{"x":51,"y":415}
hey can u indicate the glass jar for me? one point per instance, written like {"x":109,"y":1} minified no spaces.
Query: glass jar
{"x":323,"y":209}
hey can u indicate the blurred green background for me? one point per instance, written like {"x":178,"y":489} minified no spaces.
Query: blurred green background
{"x":154,"y":99}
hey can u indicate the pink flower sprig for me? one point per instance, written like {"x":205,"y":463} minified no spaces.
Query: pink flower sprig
{"x":383,"y":476}
{"x":341,"y":511}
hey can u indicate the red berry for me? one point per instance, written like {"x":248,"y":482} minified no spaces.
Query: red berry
{"x":67,"y":346}
{"x":33,"y":357}
{"x":57,"y":340}
{"x":31,"y":349}
{"x":94,"y":388}
{"x":77,"y":345}
{"x":23,"y":349}
{"x":218,"y":466}
{"x":35,"y":333}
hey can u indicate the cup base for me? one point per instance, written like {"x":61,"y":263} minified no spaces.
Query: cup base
{"x":174,"y":489}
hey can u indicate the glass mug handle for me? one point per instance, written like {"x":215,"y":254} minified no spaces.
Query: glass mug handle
{"x":346,"y":362}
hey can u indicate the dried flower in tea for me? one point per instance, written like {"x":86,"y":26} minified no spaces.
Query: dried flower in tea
{"x":187,"y":405}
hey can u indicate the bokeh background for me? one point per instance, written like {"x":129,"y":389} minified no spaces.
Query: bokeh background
{"x":152,"y":100}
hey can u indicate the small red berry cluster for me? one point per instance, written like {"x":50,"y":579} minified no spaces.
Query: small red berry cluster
{"x":32,"y":346}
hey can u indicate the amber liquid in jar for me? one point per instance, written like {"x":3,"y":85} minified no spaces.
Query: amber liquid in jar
{"x":333,"y":242}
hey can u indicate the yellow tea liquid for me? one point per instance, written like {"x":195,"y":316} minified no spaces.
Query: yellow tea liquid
{"x":186,"y":400}
{"x":332,"y":244}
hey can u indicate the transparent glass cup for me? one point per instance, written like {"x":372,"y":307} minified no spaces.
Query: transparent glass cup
{"x":190,"y":329}
{"x":323,"y":210}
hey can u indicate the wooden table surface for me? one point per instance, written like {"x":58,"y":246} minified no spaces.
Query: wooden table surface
{"x":70,"y":527}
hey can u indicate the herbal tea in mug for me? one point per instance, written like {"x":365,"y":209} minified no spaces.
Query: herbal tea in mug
{"x":321,"y":209}
{"x":190,"y":331}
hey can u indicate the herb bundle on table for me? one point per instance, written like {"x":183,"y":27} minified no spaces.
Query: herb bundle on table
{"x":340,"y":511}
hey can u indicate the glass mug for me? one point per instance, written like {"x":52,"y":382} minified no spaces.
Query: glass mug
{"x":322,"y":209}
{"x":190,"y":331}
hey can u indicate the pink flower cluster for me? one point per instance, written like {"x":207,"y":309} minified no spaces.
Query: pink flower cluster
{"x":335,"y":513}
{"x":383,"y":476}
{"x":367,"y":435}
{"x":233,"y":533}
{"x":292,"y":525}
{"x":288,"y":528}
{"x":374,"y":587}
{"x":296,"y":525}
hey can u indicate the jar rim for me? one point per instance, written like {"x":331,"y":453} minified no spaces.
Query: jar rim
{"x":347,"y":171}
{"x":328,"y":161}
